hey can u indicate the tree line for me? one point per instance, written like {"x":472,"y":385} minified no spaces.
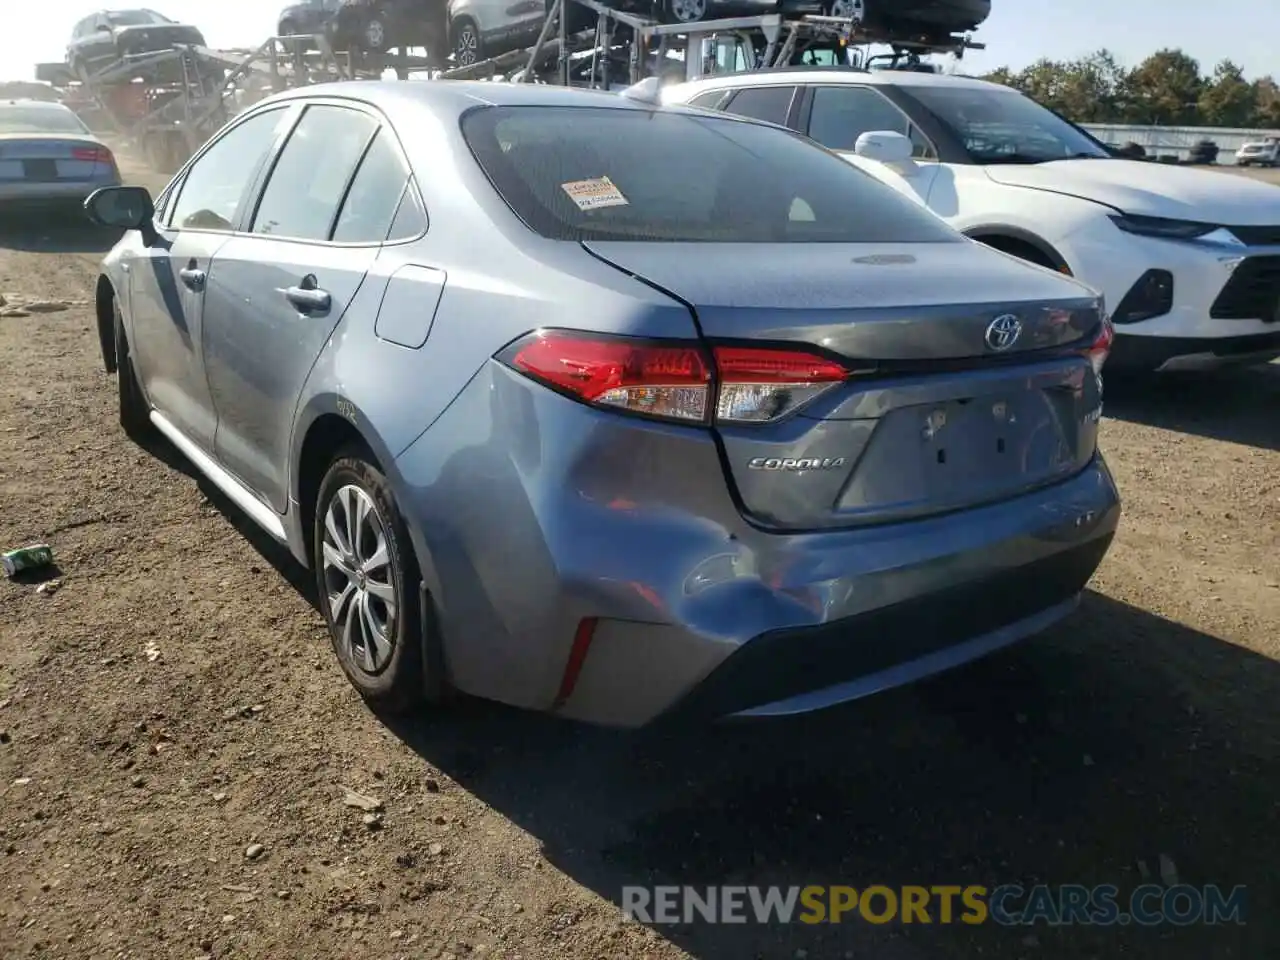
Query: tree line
{"x":1167,"y":89}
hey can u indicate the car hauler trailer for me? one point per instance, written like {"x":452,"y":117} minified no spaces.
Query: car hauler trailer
{"x":166,"y":104}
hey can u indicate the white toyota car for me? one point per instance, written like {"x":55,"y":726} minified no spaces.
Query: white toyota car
{"x":1188,"y":260}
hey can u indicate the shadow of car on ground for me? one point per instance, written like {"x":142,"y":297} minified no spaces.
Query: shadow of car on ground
{"x":59,"y":231}
{"x":1236,"y":405}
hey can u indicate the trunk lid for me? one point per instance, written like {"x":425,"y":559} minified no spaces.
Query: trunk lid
{"x":46,"y":158}
{"x":937,"y":419}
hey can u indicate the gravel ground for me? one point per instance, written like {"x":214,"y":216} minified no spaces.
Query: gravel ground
{"x":177,"y":737}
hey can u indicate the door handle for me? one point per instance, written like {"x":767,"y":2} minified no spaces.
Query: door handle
{"x":308,"y":299}
{"x":193,"y":277}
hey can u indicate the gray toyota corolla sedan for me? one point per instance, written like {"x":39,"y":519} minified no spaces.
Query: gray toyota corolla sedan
{"x":613,"y":410}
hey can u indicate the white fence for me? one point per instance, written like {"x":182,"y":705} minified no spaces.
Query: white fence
{"x":1176,"y":141}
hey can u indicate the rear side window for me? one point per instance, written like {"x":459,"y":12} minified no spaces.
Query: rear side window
{"x":708,"y":100}
{"x":599,"y":173}
{"x":411,"y":218}
{"x":311,"y":175}
{"x":762,"y":103}
{"x":375,"y":193}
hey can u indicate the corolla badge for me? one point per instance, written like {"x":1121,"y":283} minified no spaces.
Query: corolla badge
{"x":1003,"y":332}
{"x":795,"y":464}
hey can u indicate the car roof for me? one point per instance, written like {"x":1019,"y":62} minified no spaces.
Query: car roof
{"x":837,"y":75}
{"x":457,"y":96}
{"x":31,"y":102}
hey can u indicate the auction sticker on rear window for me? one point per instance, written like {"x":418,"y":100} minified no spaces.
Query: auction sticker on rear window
{"x":595,"y":193}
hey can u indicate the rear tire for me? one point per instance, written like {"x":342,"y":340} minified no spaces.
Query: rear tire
{"x":368,"y":584}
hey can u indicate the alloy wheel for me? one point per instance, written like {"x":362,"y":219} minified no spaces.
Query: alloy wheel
{"x":466,"y":47}
{"x":848,"y":10}
{"x":358,"y":578}
{"x":688,"y":11}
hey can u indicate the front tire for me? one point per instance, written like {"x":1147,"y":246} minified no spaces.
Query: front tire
{"x":684,"y":11}
{"x":467,"y":46}
{"x":376,"y":35}
{"x":367,"y":583}
{"x":852,"y":10}
{"x":134,"y":413}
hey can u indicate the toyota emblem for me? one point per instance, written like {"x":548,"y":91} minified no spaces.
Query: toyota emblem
{"x":1003,"y":332}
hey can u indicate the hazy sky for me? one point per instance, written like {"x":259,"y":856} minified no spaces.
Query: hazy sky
{"x":1017,"y":33}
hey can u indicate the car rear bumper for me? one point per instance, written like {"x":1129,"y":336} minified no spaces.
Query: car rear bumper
{"x":943,"y":608}
{"x":596,"y":566}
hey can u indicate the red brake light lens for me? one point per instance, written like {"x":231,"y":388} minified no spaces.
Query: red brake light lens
{"x":92,"y":154}
{"x":675,"y":380}
{"x":1100,"y":349}
{"x":759,"y":385}
{"x":658,"y":379}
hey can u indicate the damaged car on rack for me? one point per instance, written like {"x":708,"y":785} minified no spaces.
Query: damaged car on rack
{"x":376,"y":27}
{"x":110,"y":38}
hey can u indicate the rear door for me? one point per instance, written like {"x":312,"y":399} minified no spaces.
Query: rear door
{"x":278,"y":290}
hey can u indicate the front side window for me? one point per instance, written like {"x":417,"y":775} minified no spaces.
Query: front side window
{"x":216,"y":183}
{"x":998,"y":125}
{"x":305,"y":187}
{"x":762,"y":103}
{"x":842,"y":114}
{"x":600,"y":173}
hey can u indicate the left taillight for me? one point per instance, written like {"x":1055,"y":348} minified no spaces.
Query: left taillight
{"x":675,"y":380}
{"x":92,"y":154}
{"x":1100,"y":348}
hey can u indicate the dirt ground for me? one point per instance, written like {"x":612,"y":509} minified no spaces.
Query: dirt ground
{"x":177,"y":736}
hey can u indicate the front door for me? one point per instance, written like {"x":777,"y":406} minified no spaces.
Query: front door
{"x":835,"y":116}
{"x":278,"y":291}
{"x":169,"y":281}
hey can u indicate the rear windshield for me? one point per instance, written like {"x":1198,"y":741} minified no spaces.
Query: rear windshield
{"x":592,"y":173}
{"x":22,"y":119}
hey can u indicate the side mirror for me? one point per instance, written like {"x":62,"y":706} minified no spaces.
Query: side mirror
{"x":124,"y":208}
{"x":104,"y":28}
{"x":885,"y":146}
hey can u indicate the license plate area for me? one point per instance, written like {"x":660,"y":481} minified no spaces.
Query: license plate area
{"x":982,"y":440}
{"x":930,"y":457}
{"x":40,"y":170}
